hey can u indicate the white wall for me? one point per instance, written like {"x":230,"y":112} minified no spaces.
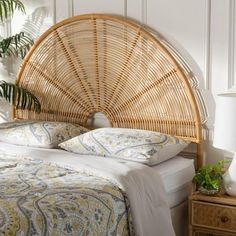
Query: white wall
{"x":203,"y":31}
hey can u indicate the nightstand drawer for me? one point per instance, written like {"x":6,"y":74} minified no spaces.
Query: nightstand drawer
{"x":214,"y":216}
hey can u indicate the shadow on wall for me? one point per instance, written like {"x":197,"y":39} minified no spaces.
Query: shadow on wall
{"x":33,"y":26}
{"x":189,"y":66}
{"x":35,"y":22}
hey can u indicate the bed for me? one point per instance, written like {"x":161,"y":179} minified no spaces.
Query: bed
{"x":107,"y":65}
{"x":176,"y":175}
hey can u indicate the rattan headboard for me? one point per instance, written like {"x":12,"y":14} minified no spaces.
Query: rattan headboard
{"x":102,"y":63}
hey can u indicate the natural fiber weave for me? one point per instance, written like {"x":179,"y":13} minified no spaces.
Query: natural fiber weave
{"x":214,"y":216}
{"x":102,"y":63}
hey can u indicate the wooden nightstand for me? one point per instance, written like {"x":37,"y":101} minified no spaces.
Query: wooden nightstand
{"x":212,"y":214}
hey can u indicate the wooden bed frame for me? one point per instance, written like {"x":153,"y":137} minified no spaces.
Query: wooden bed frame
{"x":102,"y":63}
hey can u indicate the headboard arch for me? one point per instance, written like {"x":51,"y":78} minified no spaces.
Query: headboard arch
{"x":103,"y":63}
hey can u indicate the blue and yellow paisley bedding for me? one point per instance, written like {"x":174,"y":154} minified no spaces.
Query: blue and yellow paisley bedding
{"x":38,"y":198}
{"x":147,"y":147}
{"x":44,"y":134}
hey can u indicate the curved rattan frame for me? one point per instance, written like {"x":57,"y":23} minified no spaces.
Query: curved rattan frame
{"x":102,"y":63}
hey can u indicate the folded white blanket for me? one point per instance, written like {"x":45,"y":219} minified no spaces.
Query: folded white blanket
{"x":143,"y":186}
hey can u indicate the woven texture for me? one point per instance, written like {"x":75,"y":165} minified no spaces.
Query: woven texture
{"x":102,"y":63}
{"x":214,"y":216}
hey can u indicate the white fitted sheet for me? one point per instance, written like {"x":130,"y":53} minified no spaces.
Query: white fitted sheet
{"x":177,"y":174}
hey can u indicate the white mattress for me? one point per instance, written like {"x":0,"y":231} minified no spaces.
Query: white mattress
{"x":176,"y":173}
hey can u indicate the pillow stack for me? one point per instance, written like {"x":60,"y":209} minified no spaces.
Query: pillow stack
{"x":137,"y":145}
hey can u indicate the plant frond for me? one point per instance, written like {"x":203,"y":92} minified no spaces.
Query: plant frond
{"x":20,"y":97}
{"x":8,"y":7}
{"x":16,"y":45}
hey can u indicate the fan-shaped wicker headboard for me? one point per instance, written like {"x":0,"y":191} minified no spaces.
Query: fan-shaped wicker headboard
{"x":102,"y":63}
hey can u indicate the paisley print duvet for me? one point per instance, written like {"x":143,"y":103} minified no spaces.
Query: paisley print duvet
{"x":38,"y":198}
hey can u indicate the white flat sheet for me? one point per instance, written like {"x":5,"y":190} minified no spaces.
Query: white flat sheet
{"x":176,"y":174}
{"x":143,"y":185}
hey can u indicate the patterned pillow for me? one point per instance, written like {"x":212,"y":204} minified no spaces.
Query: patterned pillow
{"x":147,"y":147}
{"x":45,"y":134}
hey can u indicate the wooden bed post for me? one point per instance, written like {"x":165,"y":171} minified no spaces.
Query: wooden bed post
{"x":199,"y":155}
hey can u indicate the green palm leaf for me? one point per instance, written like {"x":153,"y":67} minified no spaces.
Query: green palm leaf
{"x":20,"y":97}
{"x":16,"y":45}
{"x":8,"y":7}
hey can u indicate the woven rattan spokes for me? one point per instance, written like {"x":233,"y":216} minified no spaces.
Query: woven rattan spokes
{"x":101,"y":63}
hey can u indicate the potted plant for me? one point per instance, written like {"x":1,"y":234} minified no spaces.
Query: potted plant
{"x":208,"y":179}
{"x":16,"y":45}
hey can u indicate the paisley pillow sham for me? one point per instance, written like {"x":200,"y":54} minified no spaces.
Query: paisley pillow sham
{"x":144,"y":146}
{"x":44,"y":134}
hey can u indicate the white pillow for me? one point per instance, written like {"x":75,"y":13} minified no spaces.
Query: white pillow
{"x":44,"y":134}
{"x":144,"y":146}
